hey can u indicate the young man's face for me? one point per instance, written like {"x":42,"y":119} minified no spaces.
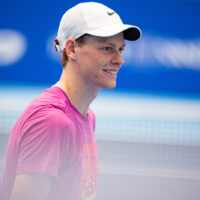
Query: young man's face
{"x":99,"y":60}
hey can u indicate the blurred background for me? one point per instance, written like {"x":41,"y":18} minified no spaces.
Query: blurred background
{"x":148,"y":128}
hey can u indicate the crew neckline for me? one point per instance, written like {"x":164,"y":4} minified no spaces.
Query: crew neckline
{"x":71,"y":105}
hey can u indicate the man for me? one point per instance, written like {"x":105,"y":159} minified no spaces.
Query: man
{"x":52,"y":151}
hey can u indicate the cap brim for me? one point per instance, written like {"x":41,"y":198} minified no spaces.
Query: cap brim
{"x":130,"y":32}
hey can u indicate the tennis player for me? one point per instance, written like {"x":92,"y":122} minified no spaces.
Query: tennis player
{"x":52,"y":153}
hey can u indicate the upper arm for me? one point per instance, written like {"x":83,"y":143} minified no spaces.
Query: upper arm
{"x":44,"y":144}
{"x":31,"y":187}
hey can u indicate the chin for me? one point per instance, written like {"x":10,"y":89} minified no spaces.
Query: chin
{"x":110,"y":86}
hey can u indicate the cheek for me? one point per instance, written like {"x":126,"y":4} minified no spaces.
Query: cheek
{"x":87,"y":59}
{"x":92,"y":63}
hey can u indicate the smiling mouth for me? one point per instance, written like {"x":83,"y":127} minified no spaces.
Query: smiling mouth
{"x":110,"y":71}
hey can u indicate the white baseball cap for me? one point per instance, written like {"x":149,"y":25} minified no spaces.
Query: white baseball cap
{"x":94,"y":19}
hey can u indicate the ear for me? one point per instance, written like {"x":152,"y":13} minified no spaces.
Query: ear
{"x":70,"y":48}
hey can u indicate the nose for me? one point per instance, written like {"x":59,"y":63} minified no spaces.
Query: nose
{"x":117,"y":58}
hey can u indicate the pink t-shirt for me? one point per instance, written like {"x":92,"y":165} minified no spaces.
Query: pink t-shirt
{"x":52,"y":137}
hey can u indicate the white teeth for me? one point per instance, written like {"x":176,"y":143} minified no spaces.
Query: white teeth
{"x":110,"y":71}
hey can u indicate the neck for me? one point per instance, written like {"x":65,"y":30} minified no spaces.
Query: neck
{"x":79,"y":94}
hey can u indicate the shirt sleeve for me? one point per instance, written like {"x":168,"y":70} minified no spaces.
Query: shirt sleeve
{"x":45,"y":142}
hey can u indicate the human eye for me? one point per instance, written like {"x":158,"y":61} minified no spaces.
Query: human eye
{"x":121,"y":49}
{"x":108,"y":49}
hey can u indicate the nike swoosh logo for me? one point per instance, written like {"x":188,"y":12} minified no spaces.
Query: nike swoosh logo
{"x":110,"y":13}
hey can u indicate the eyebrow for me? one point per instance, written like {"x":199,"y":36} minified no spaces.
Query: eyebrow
{"x":114,"y":45}
{"x":110,"y":43}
